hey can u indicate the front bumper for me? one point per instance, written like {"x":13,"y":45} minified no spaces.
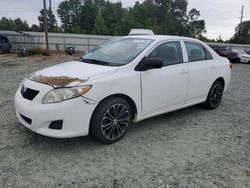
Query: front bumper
{"x":244,"y":60}
{"x":75,"y":113}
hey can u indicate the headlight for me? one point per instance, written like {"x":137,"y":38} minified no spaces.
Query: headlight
{"x":245,"y":57}
{"x":62,"y":94}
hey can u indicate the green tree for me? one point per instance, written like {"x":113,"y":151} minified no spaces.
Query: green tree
{"x":87,"y":16}
{"x":195,"y":26}
{"x":113,"y":14}
{"x":162,"y":16}
{"x":52,"y":23}
{"x":219,"y":39}
{"x":69,"y":13}
{"x":35,"y":28}
{"x":4,"y":23}
{"x":16,"y":25}
{"x":99,"y":27}
{"x":242,"y":33}
{"x":141,"y":16}
{"x":165,"y":18}
{"x":21,"y":25}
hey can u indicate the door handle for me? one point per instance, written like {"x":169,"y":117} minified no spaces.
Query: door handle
{"x":212,"y":66}
{"x":183,"y":71}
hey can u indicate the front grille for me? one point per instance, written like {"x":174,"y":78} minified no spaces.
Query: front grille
{"x":28,"y":93}
{"x":26,"y":119}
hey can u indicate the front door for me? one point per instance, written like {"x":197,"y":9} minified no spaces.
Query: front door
{"x":165,"y":88}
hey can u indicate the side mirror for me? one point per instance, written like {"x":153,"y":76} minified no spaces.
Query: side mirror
{"x":152,"y":63}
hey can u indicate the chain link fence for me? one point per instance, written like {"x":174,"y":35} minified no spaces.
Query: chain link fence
{"x":57,"y":41}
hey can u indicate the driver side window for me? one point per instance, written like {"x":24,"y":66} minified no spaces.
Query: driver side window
{"x":169,"y":52}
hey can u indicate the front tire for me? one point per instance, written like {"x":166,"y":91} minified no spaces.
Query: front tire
{"x":214,"y":96}
{"x":111,"y":120}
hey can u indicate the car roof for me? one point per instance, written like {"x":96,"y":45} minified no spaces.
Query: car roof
{"x":162,"y":37}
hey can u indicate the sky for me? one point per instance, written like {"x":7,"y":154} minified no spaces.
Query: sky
{"x":221,"y":16}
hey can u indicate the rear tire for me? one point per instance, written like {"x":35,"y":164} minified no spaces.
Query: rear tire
{"x":1,"y":51}
{"x":9,"y":50}
{"x":111,"y":120}
{"x":214,"y":96}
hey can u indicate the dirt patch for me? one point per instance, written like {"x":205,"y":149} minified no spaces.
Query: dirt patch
{"x":9,"y":65}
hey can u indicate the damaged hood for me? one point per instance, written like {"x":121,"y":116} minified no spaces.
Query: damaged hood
{"x":73,"y":73}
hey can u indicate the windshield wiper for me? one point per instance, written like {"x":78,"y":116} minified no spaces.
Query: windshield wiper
{"x":95,"y":61}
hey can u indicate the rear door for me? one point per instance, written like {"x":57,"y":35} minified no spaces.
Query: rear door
{"x":202,"y":71}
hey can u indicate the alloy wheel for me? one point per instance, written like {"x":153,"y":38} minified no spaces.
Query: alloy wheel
{"x":216,"y":95}
{"x":115,"y":121}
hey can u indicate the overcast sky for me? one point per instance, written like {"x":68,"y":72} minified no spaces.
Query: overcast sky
{"x":221,"y":16}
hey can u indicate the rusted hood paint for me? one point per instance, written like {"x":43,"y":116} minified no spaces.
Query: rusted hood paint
{"x":71,"y":74}
{"x":58,"y":81}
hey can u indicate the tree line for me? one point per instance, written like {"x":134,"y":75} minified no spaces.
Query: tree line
{"x":106,"y":18}
{"x":242,"y":33}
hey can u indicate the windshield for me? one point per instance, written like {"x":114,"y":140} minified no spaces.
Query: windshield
{"x":242,"y":52}
{"x":222,"y":48}
{"x":117,"y":52}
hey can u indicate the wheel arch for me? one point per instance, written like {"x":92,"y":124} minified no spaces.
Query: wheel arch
{"x":125,"y":97}
{"x":221,"y":80}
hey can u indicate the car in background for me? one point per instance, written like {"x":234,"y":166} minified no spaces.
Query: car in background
{"x":226,"y":52}
{"x":141,"y":32}
{"x":127,"y":79}
{"x":244,"y":57}
{"x":5,"y":46}
{"x":248,"y":52}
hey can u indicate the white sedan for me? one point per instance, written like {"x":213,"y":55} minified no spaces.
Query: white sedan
{"x":244,"y":57}
{"x":126,"y":79}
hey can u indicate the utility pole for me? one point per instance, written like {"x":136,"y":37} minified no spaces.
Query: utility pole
{"x":241,"y":19}
{"x":50,"y":5}
{"x":46,"y":25}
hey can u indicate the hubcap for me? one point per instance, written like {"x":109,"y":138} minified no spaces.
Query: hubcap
{"x":115,"y":121}
{"x":216,"y":95}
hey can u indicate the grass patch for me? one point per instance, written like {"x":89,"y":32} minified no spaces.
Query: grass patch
{"x":46,"y":53}
{"x":38,"y":51}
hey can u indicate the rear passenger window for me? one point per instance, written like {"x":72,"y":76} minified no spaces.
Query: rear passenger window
{"x":169,"y":52}
{"x":196,"y":52}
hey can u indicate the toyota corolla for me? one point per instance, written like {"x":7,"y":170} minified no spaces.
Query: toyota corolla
{"x":127,"y":79}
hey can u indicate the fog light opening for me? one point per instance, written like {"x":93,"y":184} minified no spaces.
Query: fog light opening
{"x":56,"y":125}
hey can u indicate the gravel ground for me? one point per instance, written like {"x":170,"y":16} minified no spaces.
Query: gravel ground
{"x":192,"y":147}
